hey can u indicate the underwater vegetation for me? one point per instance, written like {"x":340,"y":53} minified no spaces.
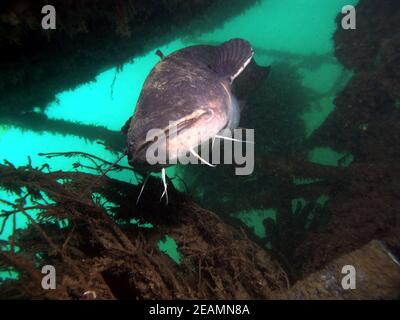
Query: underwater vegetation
{"x":324,"y":193}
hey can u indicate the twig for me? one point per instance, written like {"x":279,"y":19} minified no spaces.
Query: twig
{"x":85,"y":155}
{"x":12,"y":241}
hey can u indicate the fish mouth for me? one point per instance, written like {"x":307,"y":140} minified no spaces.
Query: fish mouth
{"x":170,"y":133}
{"x":188,"y":122}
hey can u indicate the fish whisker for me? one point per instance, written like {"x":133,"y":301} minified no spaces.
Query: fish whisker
{"x":141,"y":190}
{"x":164,"y":181}
{"x":200,"y":158}
{"x":232,"y":139}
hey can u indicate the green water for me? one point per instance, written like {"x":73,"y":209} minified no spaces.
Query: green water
{"x":278,"y":30}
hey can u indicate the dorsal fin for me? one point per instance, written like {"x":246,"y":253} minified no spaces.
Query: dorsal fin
{"x":232,"y":57}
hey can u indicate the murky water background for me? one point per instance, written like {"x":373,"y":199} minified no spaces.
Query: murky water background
{"x":295,"y":33}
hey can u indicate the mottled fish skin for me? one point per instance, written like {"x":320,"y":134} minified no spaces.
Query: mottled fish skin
{"x":181,"y":86}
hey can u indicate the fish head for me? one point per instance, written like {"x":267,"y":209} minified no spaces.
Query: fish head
{"x":158,"y":147}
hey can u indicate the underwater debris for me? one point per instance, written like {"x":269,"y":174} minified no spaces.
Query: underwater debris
{"x":366,"y":124}
{"x":90,"y":36}
{"x":100,"y":251}
{"x":363,"y":126}
{"x":365,"y":119}
{"x":39,"y":122}
{"x":377,"y":277}
{"x":100,"y":255}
